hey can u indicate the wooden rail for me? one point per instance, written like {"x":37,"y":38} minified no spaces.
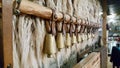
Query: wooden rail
{"x":31,"y":8}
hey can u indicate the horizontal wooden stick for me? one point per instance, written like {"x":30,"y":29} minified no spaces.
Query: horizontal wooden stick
{"x":31,"y":8}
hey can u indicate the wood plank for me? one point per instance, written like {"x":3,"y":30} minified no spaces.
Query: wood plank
{"x":90,"y":61}
{"x":7,"y":32}
{"x":84,"y":52}
{"x":84,"y":61}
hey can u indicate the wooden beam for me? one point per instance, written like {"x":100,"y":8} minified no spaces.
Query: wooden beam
{"x":104,"y":23}
{"x":7,"y":32}
{"x":31,"y":8}
{"x":104,"y":35}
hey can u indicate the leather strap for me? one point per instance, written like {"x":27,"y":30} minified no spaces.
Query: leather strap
{"x":53,"y":25}
{"x":48,"y":26}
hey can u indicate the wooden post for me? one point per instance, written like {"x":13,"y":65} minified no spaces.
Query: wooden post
{"x":104,"y":23}
{"x":104,"y":36}
{"x":7,"y":33}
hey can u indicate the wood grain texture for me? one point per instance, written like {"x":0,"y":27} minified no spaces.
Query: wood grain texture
{"x":7,"y":31}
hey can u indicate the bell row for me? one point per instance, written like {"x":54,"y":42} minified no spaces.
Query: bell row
{"x":60,"y":41}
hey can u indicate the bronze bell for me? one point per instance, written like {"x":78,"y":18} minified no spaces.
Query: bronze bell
{"x":74,"y":40}
{"x":83,"y":37}
{"x":60,"y":41}
{"x":68,"y":40}
{"x":88,"y":36}
{"x":92,"y":35}
{"x":50,"y":45}
{"x":78,"y":38}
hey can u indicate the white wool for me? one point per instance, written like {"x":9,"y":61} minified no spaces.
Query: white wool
{"x":70,"y":7}
{"x":16,"y":60}
{"x":25,"y":40}
{"x":50,"y":4}
{"x":64,"y":6}
{"x":40,"y":34}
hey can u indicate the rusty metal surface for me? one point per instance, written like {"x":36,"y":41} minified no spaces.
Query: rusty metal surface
{"x":7,"y":32}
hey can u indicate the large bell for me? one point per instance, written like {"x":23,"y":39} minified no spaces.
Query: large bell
{"x":74,"y":40}
{"x":68,"y":40}
{"x":50,"y":45}
{"x":78,"y":38}
{"x":60,"y":41}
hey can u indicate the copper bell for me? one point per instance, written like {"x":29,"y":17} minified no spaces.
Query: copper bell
{"x":78,"y":38}
{"x":68,"y":40}
{"x":60,"y":41}
{"x":93,"y":35}
{"x":83,"y":37}
{"x":74,"y":40}
{"x":50,"y":45}
{"x":88,"y":35}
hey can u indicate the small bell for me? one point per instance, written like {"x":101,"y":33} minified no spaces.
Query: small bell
{"x":68,"y":40}
{"x":78,"y":38}
{"x":50,"y":45}
{"x":74,"y":40}
{"x":88,"y":36}
{"x":83,"y":37}
{"x":93,"y":35}
{"x":60,"y":41}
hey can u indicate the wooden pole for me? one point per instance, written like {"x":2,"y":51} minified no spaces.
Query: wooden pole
{"x":104,"y":23}
{"x":7,"y":33}
{"x":104,"y":36}
{"x":35,"y":9}
{"x":31,"y":8}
